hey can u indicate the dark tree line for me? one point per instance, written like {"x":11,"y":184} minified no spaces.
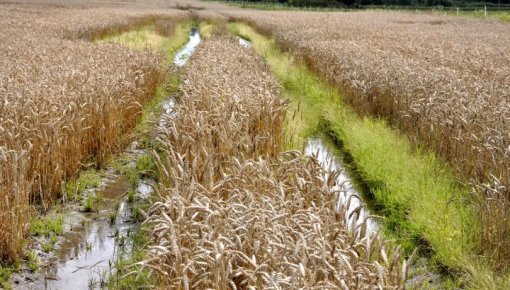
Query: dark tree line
{"x":416,"y":3}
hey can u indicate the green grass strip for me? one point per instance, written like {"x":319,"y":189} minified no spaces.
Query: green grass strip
{"x":419,"y":196}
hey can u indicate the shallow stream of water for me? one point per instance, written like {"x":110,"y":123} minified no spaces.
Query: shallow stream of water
{"x":92,"y":241}
{"x":91,"y":245}
{"x":180,"y":59}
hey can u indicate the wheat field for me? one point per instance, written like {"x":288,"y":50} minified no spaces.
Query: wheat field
{"x":64,"y":102}
{"x":233,"y":210}
{"x":237,"y":213}
{"x":444,"y":81}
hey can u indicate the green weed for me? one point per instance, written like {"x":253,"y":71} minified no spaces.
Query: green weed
{"x":33,"y":261}
{"x":137,"y":211}
{"x":139,"y":278}
{"x":89,"y":204}
{"x":5,"y":275}
{"x":131,"y":196}
{"x":47,"y":247}
{"x":113,"y":217}
{"x":88,"y":246}
{"x":47,"y":226}
{"x":87,"y":179}
{"x":50,"y":244}
{"x":92,"y":202}
{"x":145,"y":164}
{"x":118,"y":163}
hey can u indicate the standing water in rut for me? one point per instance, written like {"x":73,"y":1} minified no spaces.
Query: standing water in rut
{"x":94,"y":238}
{"x":180,"y":59}
{"x":244,"y":42}
{"x":89,"y":250}
{"x":182,"y":56}
{"x":349,"y":194}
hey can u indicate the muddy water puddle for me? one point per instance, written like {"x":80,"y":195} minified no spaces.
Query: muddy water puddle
{"x":86,"y":258}
{"x":91,"y":244}
{"x":117,"y":188}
